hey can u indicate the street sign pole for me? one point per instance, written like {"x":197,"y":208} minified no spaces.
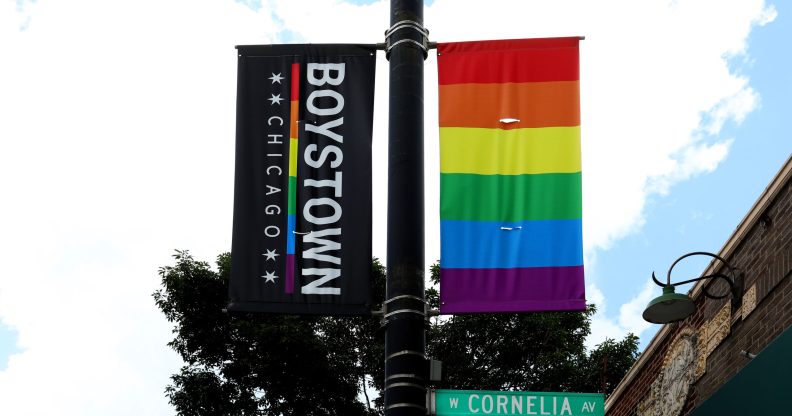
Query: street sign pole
{"x":404,"y":309}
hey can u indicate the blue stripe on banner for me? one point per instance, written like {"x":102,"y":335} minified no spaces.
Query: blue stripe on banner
{"x":495,"y":244}
{"x":290,"y":234}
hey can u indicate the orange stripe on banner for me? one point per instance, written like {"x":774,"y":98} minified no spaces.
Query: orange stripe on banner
{"x":293,"y":121}
{"x":534,"y":104}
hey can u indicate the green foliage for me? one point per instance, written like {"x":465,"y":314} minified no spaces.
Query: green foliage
{"x":257,"y":364}
{"x":605,"y":366}
{"x":525,"y":352}
{"x":272,"y":365}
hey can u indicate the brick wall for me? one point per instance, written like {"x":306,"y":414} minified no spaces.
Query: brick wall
{"x":763,"y":256}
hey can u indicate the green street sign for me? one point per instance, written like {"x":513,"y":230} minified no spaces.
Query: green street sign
{"x":507,"y":403}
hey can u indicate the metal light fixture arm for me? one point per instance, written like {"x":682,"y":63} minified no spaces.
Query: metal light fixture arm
{"x":730,"y":278}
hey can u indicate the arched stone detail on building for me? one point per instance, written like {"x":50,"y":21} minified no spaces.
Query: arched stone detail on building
{"x":670,"y":389}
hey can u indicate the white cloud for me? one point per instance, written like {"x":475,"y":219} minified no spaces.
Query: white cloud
{"x":735,"y":108}
{"x":334,"y":21}
{"x":116,"y":147}
{"x":631,"y":313}
{"x":692,"y":160}
{"x":602,"y":328}
{"x":629,"y":319}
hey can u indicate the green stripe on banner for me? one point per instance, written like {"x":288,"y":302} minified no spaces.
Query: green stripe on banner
{"x":292,"y":195}
{"x":510,"y":197}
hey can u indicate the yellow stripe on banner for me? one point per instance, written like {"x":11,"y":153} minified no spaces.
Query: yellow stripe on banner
{"x":293,"y":157}
{"x":510,"y":152}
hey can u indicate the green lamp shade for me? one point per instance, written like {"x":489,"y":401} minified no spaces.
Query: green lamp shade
{"x":669,"y":307}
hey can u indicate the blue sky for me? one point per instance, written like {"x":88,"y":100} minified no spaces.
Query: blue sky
{"x":8,"y":338}
{"x":109,"y":161}
{"x":701,"y":213}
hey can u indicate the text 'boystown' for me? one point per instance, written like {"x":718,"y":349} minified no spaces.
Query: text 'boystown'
{"x":302,"y":227}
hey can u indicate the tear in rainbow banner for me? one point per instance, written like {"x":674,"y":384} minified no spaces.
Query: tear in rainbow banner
{"x":510,"y":176}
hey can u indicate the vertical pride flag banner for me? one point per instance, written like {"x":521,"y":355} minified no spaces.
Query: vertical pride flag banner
{"x":510,"y":176}
{"x":301,"y":241}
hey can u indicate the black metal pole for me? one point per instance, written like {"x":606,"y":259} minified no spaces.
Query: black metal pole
{"x":406,"y":368}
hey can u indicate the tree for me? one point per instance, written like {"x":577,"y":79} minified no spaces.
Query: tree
{"x":257,"y":364}
{"x":604,"y":367}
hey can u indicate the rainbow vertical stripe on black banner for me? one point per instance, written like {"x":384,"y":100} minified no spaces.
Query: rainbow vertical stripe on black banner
{"x":510,"y":187}
{"x":291,"y":237}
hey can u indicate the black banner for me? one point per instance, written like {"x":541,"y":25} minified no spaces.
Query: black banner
{"x":302,"y":193}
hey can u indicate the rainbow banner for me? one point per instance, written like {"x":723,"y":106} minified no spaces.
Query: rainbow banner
{"x":510,"y":176}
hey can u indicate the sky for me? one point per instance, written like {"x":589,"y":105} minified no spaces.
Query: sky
{"x":117,"y":125}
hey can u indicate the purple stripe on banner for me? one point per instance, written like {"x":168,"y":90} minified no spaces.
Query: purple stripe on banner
{"x":289,"y":288}
{"x":529,"y":289}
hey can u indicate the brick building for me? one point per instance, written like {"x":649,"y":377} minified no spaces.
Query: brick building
{"x":727,"y":359}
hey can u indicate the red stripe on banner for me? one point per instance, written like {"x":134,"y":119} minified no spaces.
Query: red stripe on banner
{"x":295,"y":82}
{"x":520,"y":60}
